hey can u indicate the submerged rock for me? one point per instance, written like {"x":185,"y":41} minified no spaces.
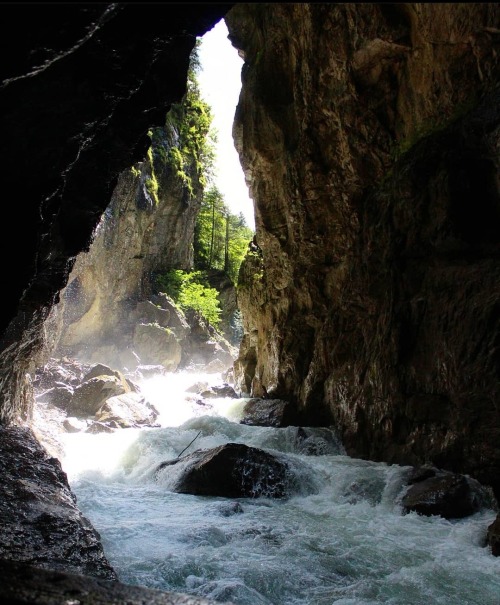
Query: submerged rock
{"x":222,"y":390}
{"x":233,"y":470}
{"x":26,"y":585}
{"x":493,"y":537}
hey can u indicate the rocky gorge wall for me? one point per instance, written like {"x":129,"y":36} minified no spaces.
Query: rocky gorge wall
{"x":369,"y":136}
{"x":110,"y":312}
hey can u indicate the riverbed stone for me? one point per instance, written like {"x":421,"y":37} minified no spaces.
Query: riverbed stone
{"x":449,"y":495}
{"x":40,"y":523}
{"x":128,"y":410}
{"x":232,"y":470}
{"x":22,"y":584}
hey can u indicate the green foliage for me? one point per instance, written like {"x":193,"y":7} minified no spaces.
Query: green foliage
{"x":152,"y":187}
{"x":221,"y":238}
{"x":136,"y":173}
{"x":193,"y":151}
{"x":191,"y":291}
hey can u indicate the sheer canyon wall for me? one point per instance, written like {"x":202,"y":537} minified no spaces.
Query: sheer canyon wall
{"x":369,"y":138}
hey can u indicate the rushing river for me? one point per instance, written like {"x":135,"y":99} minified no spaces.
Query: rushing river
{"x":344,"y":541}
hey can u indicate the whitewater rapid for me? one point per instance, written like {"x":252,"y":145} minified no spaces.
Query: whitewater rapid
{"x":343,"y":541}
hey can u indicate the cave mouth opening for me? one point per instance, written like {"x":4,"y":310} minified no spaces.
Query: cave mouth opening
{"x":118,"y":344}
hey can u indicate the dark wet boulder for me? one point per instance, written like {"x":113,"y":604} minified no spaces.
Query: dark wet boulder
{"x":40,"y":523}
{"x":493,"y":537}
{"x":449,"y":495}
{"x":233,"y":470}
{"x":317,"y":441}
{"x":267,"y":412}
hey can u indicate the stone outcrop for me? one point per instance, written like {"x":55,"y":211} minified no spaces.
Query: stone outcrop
{"x":88,"y":398}
{"x":368,"y":134}
{"x":40,"y":523}
{"x":267,"y":412}
{"x":110,"y":310}
{"x":449,"y":495}
{"x":233,"y":470}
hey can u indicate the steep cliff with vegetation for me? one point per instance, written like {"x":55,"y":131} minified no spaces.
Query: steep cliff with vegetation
{"x":369,"y":138}
{"x":164,"y":219}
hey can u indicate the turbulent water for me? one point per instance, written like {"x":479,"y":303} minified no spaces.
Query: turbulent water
{"x":342,"y":540}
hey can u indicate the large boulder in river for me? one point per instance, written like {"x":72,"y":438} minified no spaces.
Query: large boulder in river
{"x":91,"y":394}
{"x":127,"y":410}
{"x":156,"y":345}
{"x":233,"y":470}
{"x":449,"y":495}
{"x":267,"y":412}
{"x":99,"y":369}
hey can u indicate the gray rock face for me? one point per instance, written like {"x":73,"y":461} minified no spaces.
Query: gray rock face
{"x":86,"y":116}
{"x":40,"y":523}
{"x":371,"y":300}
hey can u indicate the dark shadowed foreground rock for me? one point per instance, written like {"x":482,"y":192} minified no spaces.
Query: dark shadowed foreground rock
{"x":493,"y":537}
{"x":40,"y":523}
{"x":448,"y":495}
{"x":21,"y":584}
{"x":231,"y":470}
{"x":267,"y":412}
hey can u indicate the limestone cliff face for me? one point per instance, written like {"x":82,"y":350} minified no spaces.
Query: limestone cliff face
{"x":369,"y":138}
{"x":143,"y":232}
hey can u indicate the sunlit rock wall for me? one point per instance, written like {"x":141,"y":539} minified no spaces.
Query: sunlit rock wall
{"x":140,"y":235}
{"x":369,"y":138}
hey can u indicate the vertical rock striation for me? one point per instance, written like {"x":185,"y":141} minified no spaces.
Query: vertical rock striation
{"x":369,"y":138}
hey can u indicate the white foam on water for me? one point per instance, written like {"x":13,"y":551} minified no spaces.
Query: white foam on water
{"x":345,"y":542}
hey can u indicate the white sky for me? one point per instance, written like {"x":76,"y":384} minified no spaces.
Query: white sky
{"x":220,"y":85}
